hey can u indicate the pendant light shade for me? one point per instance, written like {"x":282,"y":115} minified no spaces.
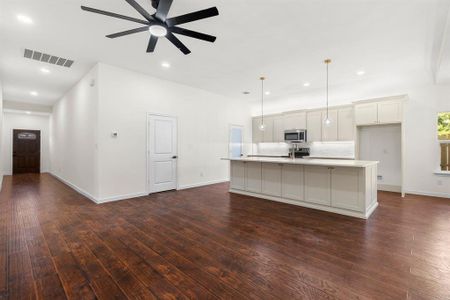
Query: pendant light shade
{"x":327,"y":120}
{"x":262,"y":126}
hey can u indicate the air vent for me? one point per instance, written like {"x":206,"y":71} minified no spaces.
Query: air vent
{"x":48,"y":58}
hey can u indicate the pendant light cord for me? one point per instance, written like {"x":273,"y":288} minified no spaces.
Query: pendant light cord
{"x":262,"y":100}
{"x":327,"y":90}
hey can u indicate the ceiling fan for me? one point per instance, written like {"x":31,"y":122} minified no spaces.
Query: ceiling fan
{"x":160,"y":25}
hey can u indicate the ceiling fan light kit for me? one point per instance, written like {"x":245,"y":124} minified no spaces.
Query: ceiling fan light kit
{"x":159,"y":25}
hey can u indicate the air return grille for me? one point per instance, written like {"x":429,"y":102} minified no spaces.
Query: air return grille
{"x":47,"y":58}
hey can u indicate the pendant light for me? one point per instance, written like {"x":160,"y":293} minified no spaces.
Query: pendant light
{"x":262,"y":126}
{"x":327,"y":119}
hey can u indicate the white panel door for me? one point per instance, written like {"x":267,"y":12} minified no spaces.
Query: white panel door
{"x":390,"y":112}
{"x":293,"y":185}
{"x":346,"y":125}
{"x":318,"y":185}
{"x":366,"y":114}
{"x":253,"y":175}
{"x":271,"y":179}
{"x":162,"y":153}
{"x":345,"y":189}
{"x":237,"y":175}
{"x":314,"y":126}
{"x":330,"y":132}
{"x":295,"y":121}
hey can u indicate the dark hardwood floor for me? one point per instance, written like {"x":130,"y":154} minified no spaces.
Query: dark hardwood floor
{"x":205,"y":243}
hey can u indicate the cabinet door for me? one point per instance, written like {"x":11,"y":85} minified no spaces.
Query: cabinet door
{"x":345,"y":189}
{"x":257,"y":134}
{"x":314,"y":126}
{"x":346,"y":126}
{"x":293,"y":185}
{"x":366,"y":114}
{"x":295,"y":121}
{"x":390,"y":112}
{"x":268,"y":132}
{"x":237,"y":175}
{"x":318,"y":185}
{"x":253,"y":176}
{"x":330,"y":132}
{"x":271,"y":179}
{"x":278,"y":129}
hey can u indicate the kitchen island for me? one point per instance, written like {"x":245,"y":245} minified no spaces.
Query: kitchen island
{"x":347,"y":187}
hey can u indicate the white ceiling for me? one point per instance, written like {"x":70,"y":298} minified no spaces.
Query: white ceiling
{"x":286,"y":40}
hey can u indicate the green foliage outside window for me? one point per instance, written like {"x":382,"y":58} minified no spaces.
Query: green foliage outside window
{"x":444,"y":126}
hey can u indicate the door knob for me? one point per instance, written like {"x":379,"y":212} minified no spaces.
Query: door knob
{"x":174,"y":157}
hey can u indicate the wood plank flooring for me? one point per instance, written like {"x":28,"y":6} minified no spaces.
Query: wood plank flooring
{"x":205,"y":243}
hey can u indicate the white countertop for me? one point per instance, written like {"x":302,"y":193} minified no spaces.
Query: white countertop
{"x":309,"y":161}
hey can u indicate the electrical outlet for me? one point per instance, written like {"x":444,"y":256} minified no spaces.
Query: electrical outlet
{"x":380,"y":177}
{"x":439,"y":182}
{"x":201,"y":174}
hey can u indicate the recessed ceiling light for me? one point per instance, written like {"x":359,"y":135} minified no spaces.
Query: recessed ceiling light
{"x":33,"y":93}
{"x":165,"y":65}
{"x":24,"y":19}
{"x":360,"y":73}
{"x":158,"y":30}
{"x":306,"y":84}
{"x":28,"y":112}
{"x":45,"y":70}
{"x":267,"y":93}
{"x":246,"y":92}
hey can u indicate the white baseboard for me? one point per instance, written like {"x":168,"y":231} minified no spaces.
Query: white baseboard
{"x":190,"y":186}
{"x":120,"y":197}
{"x":1,"y":181}
{"x":76,"y":188}
{"x":430,"y":194}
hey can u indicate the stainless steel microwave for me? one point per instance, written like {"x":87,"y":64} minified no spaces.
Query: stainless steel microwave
{"x":295,"y":136}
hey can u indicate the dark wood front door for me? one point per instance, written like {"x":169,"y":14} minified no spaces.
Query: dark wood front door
{"x":26,"y":151}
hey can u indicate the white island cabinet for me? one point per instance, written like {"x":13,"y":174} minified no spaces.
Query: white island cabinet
{"x":345,"y":187}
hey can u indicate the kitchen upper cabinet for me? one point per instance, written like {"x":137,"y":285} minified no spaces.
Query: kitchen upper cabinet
{"x":366,"y":114}
{"x":390,"y":112}
{"x":295,"y":121}
{"x":237,"y":172}
{"x":257,"y":134}
{"x":271,"y":179}
{"x":314,"y":126}
{"x":253,"y":174}
{"x":268,"y":131}
{"x":293,"y":185}
{"x":318,"y":185}
{"x":383,"y":112}
{"x":346,"y":125}
{"x":278,"y":129}
{"x":345,"y":191}
{"x":330,"y":132}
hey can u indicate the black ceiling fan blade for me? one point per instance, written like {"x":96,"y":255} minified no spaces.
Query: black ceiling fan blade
{"x":174,"y":40}
{"x":193,"y":34}
{"x":114,"y":15}
{"x":140,"y":10}
{"x":127,"y":32}
{"x":163,"y":9}
{"x":198,"y":15}
{"x":152,"y":43}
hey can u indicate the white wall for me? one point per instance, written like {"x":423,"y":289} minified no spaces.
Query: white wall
{"x":1,"y":131}
{"x":74,"y":136}
{"x":203,"y":123}
{"x":383,"y":143}
{"x":13,"y":120}
{"x":421,"y":145}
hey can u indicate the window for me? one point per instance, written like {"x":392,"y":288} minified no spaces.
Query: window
{"x":444,"y":139}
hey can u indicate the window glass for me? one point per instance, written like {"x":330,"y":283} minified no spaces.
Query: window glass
{"x":444,"y":126}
